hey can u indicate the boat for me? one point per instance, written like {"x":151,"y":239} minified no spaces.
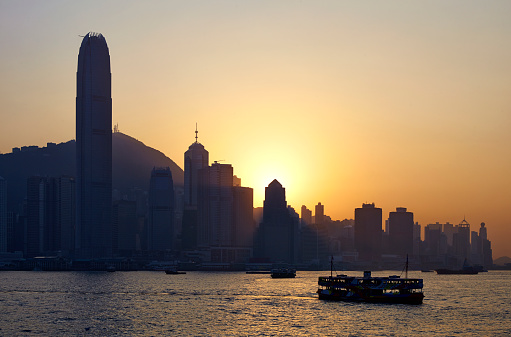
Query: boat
{"x":283,"y":273}
{"x":465,"y":270}
{"x":391,"y":289}
{"x":173,"y":271}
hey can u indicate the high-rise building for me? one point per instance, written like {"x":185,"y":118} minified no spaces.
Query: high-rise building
{"x":3,"y":215}
{"x":487,"y":252}
{"x":243,"y":217}
{"x":160,"y":227}
{"x":401,"y":232}
{"x":94,"y":149}
{"x":461,"y":241}
{"x":306,"y":216}
{"x":276,"y":238}
{"x":215,"y":202}
{"x":319,"y":214}
{"x":50,"y":215}
{"x":368,"y":232}
{"x":125,"y":225}
{"x":196,"y":158}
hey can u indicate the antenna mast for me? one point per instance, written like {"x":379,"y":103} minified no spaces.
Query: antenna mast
{"x":196,"y":133}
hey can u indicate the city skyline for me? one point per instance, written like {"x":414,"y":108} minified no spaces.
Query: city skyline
{"x":395,"y":112}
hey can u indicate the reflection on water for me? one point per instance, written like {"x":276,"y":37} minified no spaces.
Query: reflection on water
{"x":234,"y":304}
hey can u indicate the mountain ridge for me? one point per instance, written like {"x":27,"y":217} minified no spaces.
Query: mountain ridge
{"x":132,"y":162}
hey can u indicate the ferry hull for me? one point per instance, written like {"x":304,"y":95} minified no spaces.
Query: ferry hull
{"x":400,"y":299}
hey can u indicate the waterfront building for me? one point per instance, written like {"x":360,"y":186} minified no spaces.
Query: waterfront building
{"x":461,"y":241}
{"x":3,"y":215}
{"x":93,"y":149}
{"x":487,"y":253}
{"x":196,"y":158}
{"x":276,"y":239}
{"x":160,"y":227}
{"x":50,"y":215}
{"x":368,"y":232}
{"x":125,"y":227}
{"x":306,"y":216}
{"x":319,"y":214}
{"x":401,"y":232}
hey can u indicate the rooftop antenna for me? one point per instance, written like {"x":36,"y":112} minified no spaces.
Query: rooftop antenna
{"x":196,"y":133}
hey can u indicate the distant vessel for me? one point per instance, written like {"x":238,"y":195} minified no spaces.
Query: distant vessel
{"x":465,"y":270}
{"x":391,"y":289}
{"x":173,"y":271}
{"x":283,"y":273}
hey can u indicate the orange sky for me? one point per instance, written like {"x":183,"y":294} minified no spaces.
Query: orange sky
{"x":399,"y":103}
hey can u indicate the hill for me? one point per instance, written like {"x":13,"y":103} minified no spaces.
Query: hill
{"x":132,"y":162}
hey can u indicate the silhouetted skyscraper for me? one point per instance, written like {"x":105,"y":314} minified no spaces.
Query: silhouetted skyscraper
{"x":50,"y":215}
{"x":319,"y":214}
{"x":94,"y":149}
{"x":368,"y":232}
{"x":461,"y":241}
{"x":277,"y":236}
{"x":196,"y":158}
{"x":401,"y":231}
{"x":215,"y":227}
{"x":3,"y":215}
{"x":160,"y":234}
{"x":306,"y":215}
{"x":485,"y":246}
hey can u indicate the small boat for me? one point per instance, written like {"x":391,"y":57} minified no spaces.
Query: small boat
{"x":426,"y":271}
{"x":465,"y":270}
{"x":391,"y":289}
{"x":283,"y":273}
{"x":173,"y":271}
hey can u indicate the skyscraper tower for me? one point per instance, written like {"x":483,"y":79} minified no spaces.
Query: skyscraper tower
{"x":196,"y":158}
{"x":93,"y":149}
{"x":368,"y":232}
{"x":3,"y":215}
{"x":160,"y":234}
{"x":276,"y":238}
{"x":319,"y":214}
{"x":401,"y":232}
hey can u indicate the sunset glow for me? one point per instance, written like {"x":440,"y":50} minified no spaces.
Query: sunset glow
{"x":398,"y":103}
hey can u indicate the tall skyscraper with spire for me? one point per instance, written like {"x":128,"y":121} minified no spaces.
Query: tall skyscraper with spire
{"x":196,"y":158}
{"x":93,"y":149}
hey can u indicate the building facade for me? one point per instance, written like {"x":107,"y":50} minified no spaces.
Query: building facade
{"x":94,"y":149}
{"x":368,"y":232}
{"x":160,"y":227}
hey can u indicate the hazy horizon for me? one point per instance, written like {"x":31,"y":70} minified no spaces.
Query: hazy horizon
{"x":397,"y":103}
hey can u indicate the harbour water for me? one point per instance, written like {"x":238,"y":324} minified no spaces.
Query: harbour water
{"x":148,"y":303}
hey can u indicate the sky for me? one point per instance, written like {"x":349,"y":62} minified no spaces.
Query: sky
{"x":400,"y":103}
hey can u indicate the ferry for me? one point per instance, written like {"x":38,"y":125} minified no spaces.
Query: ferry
{"x":283,"y":273}
{"x":391,"y":289}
